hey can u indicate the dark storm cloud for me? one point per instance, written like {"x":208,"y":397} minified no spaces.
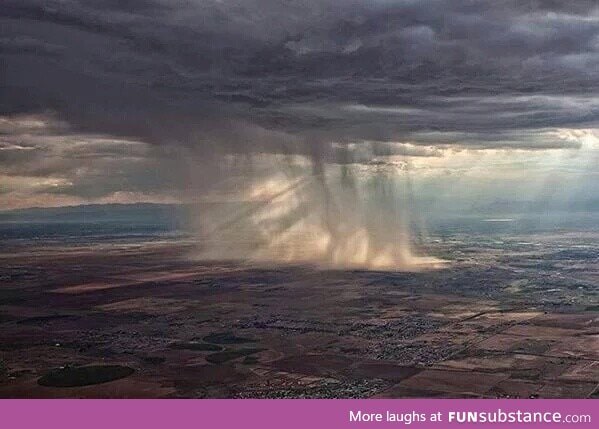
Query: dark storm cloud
{"x":246,"y":75}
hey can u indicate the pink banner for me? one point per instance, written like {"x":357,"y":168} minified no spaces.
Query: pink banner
{"x":297,"y":414}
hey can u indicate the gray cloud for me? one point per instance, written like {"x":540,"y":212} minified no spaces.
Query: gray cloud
{"x":412,"y":67}
{"x":311,"y":77}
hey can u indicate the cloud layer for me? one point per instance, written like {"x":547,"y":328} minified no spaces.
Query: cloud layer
{"x":123,"y":84}
{"x":346,"y":70}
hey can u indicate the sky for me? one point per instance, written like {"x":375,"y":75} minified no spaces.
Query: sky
{"x":461,"y":103}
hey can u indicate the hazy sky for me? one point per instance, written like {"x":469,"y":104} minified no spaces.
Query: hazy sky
{"x":120,"y":101}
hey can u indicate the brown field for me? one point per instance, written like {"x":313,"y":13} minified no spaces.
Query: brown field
{"x":175,"y":328}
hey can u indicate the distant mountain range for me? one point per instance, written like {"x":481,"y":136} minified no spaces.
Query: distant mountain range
{"x":541,"y":206}
{"x":135,"y":213}
{"x":167,"y":213}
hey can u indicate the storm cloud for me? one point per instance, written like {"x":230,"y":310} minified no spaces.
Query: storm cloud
{"x":323,"y":126}
{"x":125,"y":92}
{"x":328,"y":70}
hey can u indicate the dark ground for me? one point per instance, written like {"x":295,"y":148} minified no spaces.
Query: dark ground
{"x":515,"y":317}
